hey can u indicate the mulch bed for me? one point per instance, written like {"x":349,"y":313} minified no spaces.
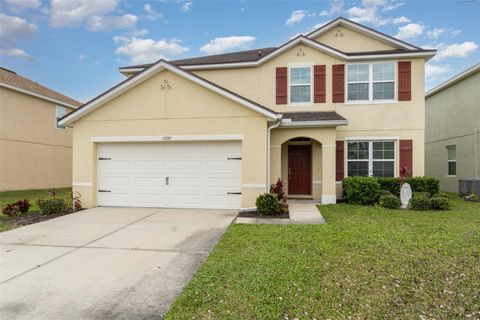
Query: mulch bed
{"x":255,"y":214}
{"x":32,"y":217}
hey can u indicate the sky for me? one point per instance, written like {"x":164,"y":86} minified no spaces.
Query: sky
{"x":76,"y":46}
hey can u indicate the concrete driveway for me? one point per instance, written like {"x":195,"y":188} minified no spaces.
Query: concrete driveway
{"x":105,"y":263}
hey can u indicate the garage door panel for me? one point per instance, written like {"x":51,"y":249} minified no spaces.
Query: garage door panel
{"x":113,"y":181}
{"x":157,"y":165}
{"x":221,"y":183}
{"x":193,"y":164}
{"x":199,"y":174}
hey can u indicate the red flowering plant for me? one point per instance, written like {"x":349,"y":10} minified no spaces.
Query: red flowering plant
{"x":279,"y":189}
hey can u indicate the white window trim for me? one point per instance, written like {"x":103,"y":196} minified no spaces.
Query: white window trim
{"x":300,"y":65}
{"x":371,"y":82}
{"x":448,"y":161}
{"x":370,"y":155}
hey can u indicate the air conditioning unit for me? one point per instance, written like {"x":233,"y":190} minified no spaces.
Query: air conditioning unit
{"x":469,"y":186}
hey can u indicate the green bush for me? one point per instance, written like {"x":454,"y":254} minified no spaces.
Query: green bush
{"x":419,"y":201}
{"x":390,"y":184}
{"x":441,"y":195}
{"x":383,"y":192}
{"x":50,"y":206}
{"x":439,"y":203}
{"x":389,"y":201}
{"x":424,"y":184}
{"x":360,"y":190}
{"x":267,"y":204}
{"x":421,"y":194}
{"x":418,"y":184}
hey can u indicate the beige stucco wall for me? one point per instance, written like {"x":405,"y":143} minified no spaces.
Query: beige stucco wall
{"x":185,"y":109}
{"x":348,"y":40}
{"x":401,"y":119}
{"x":453,"y":118}
{"x":34,"y":154}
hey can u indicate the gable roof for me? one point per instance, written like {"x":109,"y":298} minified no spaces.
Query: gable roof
{"x":385,"y":38}
{"x":252,"y":58}
{"x":149,"y":72}
{"x":457,"y":78}
{"x":13,"y":81}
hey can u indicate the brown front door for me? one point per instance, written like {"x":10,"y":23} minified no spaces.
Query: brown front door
{"x":299,"y":169}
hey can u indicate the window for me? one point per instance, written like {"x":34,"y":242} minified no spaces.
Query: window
{"x":371,"y":82}
{"x":452,"y":160}
{"x":60,"y":112}
{"x":301,"y":84}
{"x":371,"y":158}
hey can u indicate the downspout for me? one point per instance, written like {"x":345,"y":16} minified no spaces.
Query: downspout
{"x":476,"y":150}
{"x":269,"y":131}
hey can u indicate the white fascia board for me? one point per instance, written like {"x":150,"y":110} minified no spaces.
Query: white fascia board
{"x":453,"y":80}
{"x":364,"y":30}
{"x":372,"y":138}
{"x":36,"y":95}
{"x":168,"y":138}
{"x":324,"y":123}
{"x":129,"y":83}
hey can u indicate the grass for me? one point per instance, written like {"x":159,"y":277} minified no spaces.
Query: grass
{"x":32,"y":195}
{"x":365,"y":263}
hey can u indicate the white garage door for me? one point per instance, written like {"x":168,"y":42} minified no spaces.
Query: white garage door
{"x":179,"y":175}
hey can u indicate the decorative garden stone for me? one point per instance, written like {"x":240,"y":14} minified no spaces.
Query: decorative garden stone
{"x":405,"y":195}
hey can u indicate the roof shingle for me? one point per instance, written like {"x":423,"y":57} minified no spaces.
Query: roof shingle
{"x":313,"y":116}
{"x":10,"y":78}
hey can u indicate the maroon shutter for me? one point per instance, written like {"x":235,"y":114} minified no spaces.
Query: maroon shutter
{"x":339,"y":160}
{"x":319,"y":84}
{"x":338,"y":82}
{"x":281,"y":77}
{"x":404,"y":81}
{"x":406,"y":158}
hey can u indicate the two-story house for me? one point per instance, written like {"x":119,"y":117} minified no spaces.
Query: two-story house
{"x":35,"y":152}
{"x":215,"y":131}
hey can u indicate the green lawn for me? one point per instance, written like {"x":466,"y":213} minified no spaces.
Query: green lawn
{"x":32,"y":195}
{"x":365,"y":263}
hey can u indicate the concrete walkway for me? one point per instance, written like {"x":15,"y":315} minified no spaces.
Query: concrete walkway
{"x":105,"y":263}
{"x":301,"y":212}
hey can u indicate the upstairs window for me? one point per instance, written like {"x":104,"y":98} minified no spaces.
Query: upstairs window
{"x":59,"y":112}
{"x":300,"y":84}
{"x":452,"y":160}
{"x":368,"y":82}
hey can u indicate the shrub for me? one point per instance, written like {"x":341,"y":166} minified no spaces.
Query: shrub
{"x":279,"y":189}
{"x":442,"y":195}
{"x":10,"y":210}
{"x":389,"y":201}
{"x":23,"y":205}
{"x":422,"y":194}
{"x":390,"y":184}
{"x":16,"y":208}
{"x":419,"y":201}
{"x":50,"y":206}
{"x":383,"y":192}
{"x":360,"y":190}
{"x":267,"y":204}
{"x":424,"y":184}
{"x":439,"y":203}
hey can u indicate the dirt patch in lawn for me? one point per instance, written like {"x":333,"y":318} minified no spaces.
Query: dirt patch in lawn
{"x":255,"y":214}
{"x":30,"y":218}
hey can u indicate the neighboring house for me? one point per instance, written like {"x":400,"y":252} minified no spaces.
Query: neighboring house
{"x":35,"y":153}
{"x":215,"y":131}
{"x":452,"y":129}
